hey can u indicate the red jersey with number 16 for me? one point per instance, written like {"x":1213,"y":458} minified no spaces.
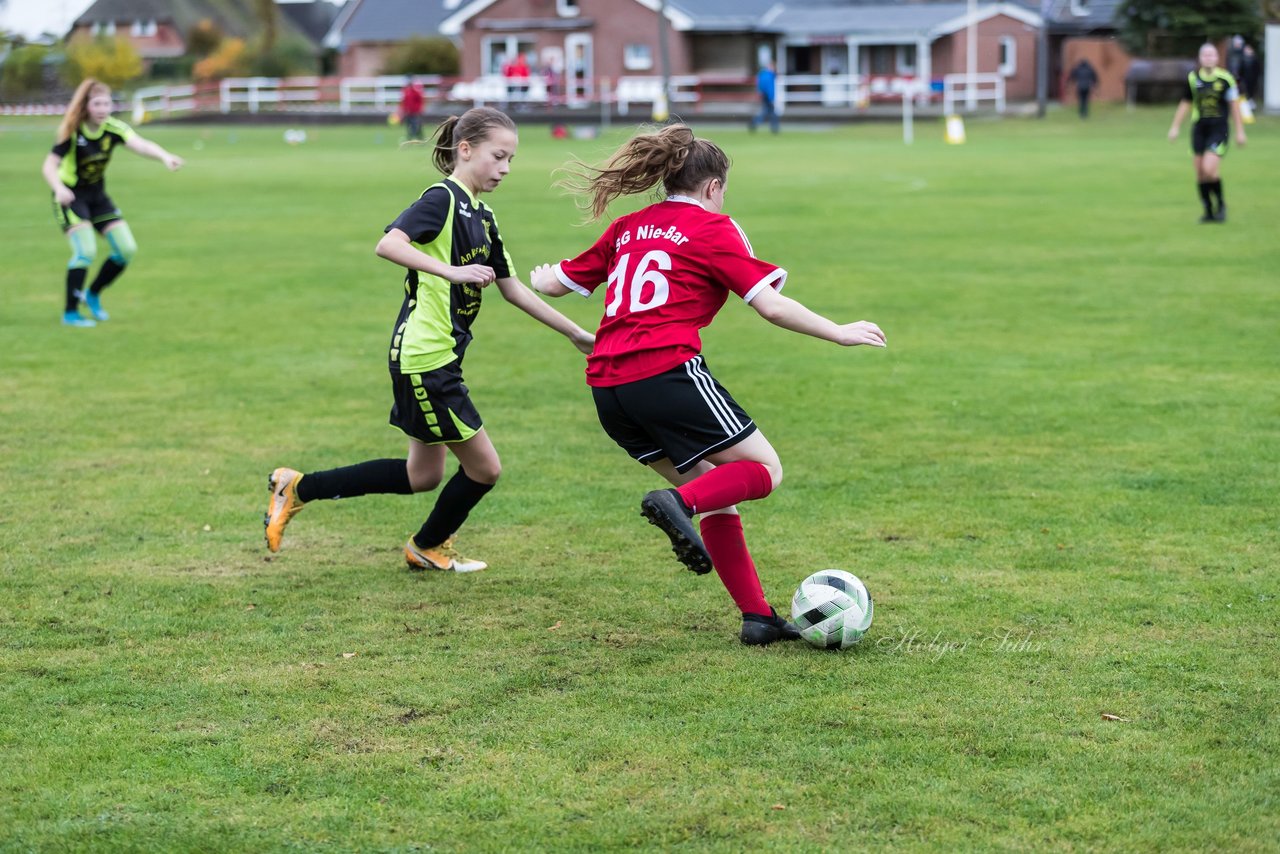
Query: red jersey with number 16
{"x":669,"y":269}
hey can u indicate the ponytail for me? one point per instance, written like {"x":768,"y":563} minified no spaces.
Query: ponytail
{"x":474,"y":126}
{"x":671,"y":157}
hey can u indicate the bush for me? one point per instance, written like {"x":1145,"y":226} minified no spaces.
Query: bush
{"x":111,"y":60}
{"x":423,"y":55}
{"x":287,"y":58}
{"x":171,"y":68}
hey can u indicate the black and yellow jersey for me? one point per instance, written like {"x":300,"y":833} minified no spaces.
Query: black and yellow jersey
{"x":85,"y":155}
{"x":1210,"y":91}
{"x":434,"y":326}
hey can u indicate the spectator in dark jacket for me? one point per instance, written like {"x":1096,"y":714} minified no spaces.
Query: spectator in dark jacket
{"x":1085,"y":78}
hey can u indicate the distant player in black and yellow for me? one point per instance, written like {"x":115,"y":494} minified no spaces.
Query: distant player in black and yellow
{"x":1214,"y":102}
{"x":74,"y":170}
{"x":448,"y":240}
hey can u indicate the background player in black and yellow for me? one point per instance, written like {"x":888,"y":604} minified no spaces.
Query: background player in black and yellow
{"x":448,"y":241}
{"x":1213,"y":100}
{"x":74,"y":170}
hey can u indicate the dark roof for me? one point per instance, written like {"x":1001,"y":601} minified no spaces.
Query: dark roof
{"x":233,"y":17}
{"x":311,"y":19}
{"x":1099,"y":15}
{"x":885,"y":20}
{"x":723,"y":15}
{"x":385,"y":21}
{"x":394,"y":20}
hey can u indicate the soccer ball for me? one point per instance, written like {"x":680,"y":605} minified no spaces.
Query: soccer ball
{"x":832,"y":609}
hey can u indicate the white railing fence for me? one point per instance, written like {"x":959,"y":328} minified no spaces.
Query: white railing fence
{"x":163,"y":100}
{"x":382,"y":93}
{"x":682,"y":89}
{"x":972,"y":91}
{"x":827,"y":90}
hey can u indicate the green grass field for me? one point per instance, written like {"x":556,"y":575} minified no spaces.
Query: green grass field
{"x":1059,"y":483}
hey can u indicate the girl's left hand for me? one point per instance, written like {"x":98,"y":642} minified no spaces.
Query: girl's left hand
{"x":172,"y":162}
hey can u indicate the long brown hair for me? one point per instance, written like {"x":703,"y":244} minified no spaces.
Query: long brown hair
{"x":78,"y":110}
{"x":473,"y":126}
{"x":671,"y":157}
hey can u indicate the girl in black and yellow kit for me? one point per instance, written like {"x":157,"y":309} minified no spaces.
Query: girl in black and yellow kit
{"x":74,"y":169}
{"x":448,"y":241}
{"x":1212,"y":98}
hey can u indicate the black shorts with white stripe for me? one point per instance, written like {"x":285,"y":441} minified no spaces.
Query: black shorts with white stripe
{"x":682,"y":414}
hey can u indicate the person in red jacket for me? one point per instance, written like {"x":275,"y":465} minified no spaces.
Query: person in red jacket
{"x":667,"y":270}
{"x":412,"y":101}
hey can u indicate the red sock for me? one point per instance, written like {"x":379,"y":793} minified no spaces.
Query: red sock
{"x":722,"y":534}
{"x":726,"y":485}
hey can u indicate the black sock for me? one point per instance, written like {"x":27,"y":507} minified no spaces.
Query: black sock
{"x":110,"y":269}
{"x":457,"y":498}
{"x":374,"y":477}
{"x":1205,"y":198}
{"x":1216,"y":188}
{"x":75,"y":283}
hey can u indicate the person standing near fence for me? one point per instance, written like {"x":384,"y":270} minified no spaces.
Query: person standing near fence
{"x":1212,"y":99}
{"x":74,"y":170}
{"x":766,"y":88}
{"x":412,"y":101}
{"x":1249,"y":73}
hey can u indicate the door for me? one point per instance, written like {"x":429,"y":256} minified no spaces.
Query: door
{"x":578,"y":68}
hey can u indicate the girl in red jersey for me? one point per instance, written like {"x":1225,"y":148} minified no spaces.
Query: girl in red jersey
{"x":669,"y":268}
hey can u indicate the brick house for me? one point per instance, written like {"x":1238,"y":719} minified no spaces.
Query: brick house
{"x":580,"y":41}
{"x":365,"y":31}
{"x":1084,"y":29}
{"x":158,"y":29}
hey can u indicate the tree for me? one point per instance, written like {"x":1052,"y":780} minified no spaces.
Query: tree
{"x":204,"y":38}
{"x":423,"y":55}
{"x":231,"y":59}
{"x":269,"y":16}
{"x":23,"y":72}
{"x":1170,"y":28}
{"x":111,"y":60}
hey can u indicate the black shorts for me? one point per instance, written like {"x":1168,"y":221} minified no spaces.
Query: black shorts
{"x":1209,"y":137}
{"x":434,"y":407}
{"x":93,"y":206}
{"x":682,"y":414}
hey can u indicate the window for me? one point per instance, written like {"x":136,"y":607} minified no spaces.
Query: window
{"x":906,"y":59}
{"x":1080,"y":8}
{"x":567,"y":8}
{"x":501,"y":51}
{"x":1008,"y":56}
{"x":104,"y":28}
{"x":801,"y":59}
{"x":883,"y":57}
{"x":144,"y":28}
{"x":637,"y":57}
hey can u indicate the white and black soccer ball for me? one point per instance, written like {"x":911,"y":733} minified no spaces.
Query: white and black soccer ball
{"x":832,"y":609}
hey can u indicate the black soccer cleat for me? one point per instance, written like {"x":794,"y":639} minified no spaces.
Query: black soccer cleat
{"x":666,"y":509}
{"x":758,"y":630}
{"x":1221,"y":215}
